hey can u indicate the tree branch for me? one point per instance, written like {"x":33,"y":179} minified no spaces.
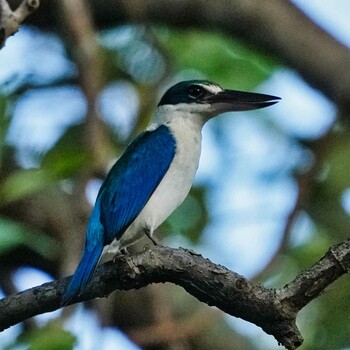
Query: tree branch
{"x":274,"y":310}
{"x":11,"y":20}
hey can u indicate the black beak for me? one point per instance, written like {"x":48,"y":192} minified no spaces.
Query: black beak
{"x":231,"y":100}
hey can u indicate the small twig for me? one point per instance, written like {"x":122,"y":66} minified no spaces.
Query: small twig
{"x":306,"y":183}
{"x":11,"y":20}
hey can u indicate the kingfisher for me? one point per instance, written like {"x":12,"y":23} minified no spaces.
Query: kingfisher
{"x":155,"y":173}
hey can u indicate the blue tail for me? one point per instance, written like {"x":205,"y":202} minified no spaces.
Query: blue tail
{"x":83,"y":273}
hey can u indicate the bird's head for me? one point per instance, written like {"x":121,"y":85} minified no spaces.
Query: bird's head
{"x":205,"y":99}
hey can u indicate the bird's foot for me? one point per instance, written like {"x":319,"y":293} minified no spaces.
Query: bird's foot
{"x":122,"y":252}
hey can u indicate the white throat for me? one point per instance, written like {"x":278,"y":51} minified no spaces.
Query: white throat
{"x":191,"y":116}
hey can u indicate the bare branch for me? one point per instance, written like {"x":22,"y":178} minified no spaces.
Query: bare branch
{"x":306,"y":182}
{"x":274,"y":310}
{"x":11,"y":20}
{"x":309,"y":284}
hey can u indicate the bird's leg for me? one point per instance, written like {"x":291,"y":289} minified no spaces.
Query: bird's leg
{"x":148,"y":233}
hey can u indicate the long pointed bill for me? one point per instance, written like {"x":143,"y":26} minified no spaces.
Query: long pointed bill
{"x":231,"y":100}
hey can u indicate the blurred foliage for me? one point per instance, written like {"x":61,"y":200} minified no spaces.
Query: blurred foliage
{"x":13,"y":234}
{"x":217,"y":58}
{"x":23,"y":183}
{"x":4,"y":123}
{"x":68,"y":155}
{"x":49,"y":337}
{"x":149,"y":60}
{"x":338,"y":163}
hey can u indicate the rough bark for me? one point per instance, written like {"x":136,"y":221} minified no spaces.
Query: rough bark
{"x":274,"y":310}
{"x":11,"y":20}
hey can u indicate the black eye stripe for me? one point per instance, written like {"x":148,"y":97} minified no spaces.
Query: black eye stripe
{"x":195,"y":91}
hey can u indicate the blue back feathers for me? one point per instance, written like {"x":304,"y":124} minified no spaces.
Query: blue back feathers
{"x":133,"y":179}
{"x":126,"y":190}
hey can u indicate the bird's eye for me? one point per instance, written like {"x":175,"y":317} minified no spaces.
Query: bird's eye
{"x":195,"y":91}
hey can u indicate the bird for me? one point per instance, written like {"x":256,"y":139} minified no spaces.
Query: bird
{"x":155,"y":173}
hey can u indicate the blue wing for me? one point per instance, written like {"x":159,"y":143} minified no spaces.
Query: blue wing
{"x":124,"y":193}
{"x":133,"y":179}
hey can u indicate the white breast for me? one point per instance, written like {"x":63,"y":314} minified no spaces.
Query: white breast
{"x":176,"y":183}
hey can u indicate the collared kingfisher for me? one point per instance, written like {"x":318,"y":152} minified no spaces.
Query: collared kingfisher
{"x":155,"y":173}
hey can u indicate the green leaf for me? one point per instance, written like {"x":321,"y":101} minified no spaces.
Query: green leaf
{"x":23,"y":183}
{"x":13,"y":234}
{"x":218,"y":57}
{"x":338,"y":156}
{"x":49,"y":337}
{"x":68,"y":155}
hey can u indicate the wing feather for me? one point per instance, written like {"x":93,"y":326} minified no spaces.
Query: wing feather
{"x":133,"y":179}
